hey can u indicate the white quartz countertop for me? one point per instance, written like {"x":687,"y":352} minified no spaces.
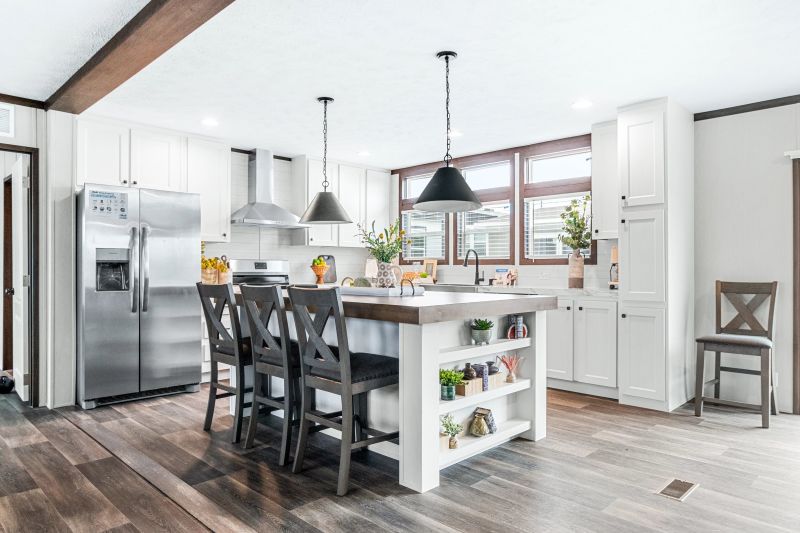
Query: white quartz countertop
{"x":548,"y":291}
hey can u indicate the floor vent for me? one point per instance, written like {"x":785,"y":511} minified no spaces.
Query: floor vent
{"x":678,"y":489}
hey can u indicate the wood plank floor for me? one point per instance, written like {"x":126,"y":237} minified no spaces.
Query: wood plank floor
{"x":149,"y":466}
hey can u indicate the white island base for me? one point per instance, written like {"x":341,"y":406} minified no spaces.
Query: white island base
{"x":519,"y":408}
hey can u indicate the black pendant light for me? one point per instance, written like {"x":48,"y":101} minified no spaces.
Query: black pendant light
{"x":447,"y":192}
{"x":325,"y":207}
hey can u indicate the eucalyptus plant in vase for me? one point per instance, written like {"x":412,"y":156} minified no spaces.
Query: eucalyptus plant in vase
{"x":385,"y":246}
{"x":577,"y":234}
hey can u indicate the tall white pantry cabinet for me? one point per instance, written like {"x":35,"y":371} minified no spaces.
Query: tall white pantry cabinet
{"x":655,"y":147}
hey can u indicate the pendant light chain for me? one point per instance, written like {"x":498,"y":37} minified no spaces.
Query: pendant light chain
{"x":447,"y":157}
{"x":325,"y":181}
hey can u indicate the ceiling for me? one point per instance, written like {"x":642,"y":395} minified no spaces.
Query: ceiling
{"x":258,"y":66}
{"x":44,"y":42}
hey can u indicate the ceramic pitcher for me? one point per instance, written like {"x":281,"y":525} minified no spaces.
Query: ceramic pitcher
{"x":388,"y":275}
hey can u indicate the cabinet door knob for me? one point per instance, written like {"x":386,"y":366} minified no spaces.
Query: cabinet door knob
{"x":597,"y":231}
{"x":580,"y":308}
{"x":124,"y":182}
{"x":569,"y":308}
{"x":224,"y":234}
{"x":134,"y":182}
{"x":623,"y":315}
{"x":622,"y":221}
{"x":623,"y":196}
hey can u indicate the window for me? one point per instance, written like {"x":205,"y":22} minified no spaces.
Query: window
{"x":555,"y":174}
{"x":426,"y":231}
{"x":487,"y":231}
{"x":413,"y":186}
{"x":542,"y":227}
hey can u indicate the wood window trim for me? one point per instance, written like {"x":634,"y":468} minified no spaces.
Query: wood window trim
{"x":554,"y":188}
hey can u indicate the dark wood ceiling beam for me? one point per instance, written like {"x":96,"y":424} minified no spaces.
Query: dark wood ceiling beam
{"x":18,"y":100}
{"x":159,"y":26}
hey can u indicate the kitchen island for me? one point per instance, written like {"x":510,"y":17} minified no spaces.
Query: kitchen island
{"x":430,"y":332}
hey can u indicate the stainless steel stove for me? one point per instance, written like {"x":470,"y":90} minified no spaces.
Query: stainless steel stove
{"x":260,"y":272}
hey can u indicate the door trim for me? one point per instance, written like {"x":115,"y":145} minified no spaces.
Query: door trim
{"x":796,"y":287}
{"x":33,"y":264}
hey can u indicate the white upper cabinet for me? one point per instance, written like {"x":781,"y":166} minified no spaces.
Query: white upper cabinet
{"x":158,"y":160}
{"x":352,"y":195}
{"x":642,"y":352}
{"x":595,"y":342}
{"x":605,"y":182}
{"x":559,"y":341}
{"x":322,"y":234}
{"x":642,"y":258}
{"x":103,"y":153}
{"x":641,"y":155}
{"x":381,"y":205}
{"x":209,"y":174}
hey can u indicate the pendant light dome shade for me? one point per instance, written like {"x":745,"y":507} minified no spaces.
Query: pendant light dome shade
{"x":325,"y":207}
{"x":447,"y":192}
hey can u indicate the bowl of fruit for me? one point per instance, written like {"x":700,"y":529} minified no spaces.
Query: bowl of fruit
{"x":319,"y":267}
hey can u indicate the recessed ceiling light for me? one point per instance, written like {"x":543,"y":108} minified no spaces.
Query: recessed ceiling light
{"x":363,"y":153}
{"x":581,"y":104}
{"x":210,"y":122}
{"x":455,"y":133}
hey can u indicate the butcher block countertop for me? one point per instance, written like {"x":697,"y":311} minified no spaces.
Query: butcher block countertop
{"x":439,"y":306}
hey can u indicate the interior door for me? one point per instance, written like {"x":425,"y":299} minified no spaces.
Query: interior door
{"x":20,"y":274}
{"x":559,"y":341}
{"x":170,"y":268}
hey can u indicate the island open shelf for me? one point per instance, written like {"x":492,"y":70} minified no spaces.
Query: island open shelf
{"x":470,"y":445}
{"x":463,"y":353}
{"x":462,"y":402}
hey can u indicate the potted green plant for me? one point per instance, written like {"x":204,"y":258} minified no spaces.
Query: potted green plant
{"x":384,"y":246}
{"x":481,"y":330}
{"x":448,"y":379}
{"x":577,"y":234}
{"x":452,"y":429}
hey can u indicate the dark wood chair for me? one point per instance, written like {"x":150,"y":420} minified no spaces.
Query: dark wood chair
{"x":745,"y":335}
{"x":226,"y":347}
{"x":350,"y":375}
{"x":272,"y":357}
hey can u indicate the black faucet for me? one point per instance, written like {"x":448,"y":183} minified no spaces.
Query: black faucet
{"x":478,"y":277}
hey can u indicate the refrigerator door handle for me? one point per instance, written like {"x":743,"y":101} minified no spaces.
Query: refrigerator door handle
{"x":145,"y":267}
{"x":134,"y":261}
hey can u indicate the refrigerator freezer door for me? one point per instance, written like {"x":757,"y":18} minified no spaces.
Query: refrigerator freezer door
{"x":170,"y":308}
{"x":108,"y":316}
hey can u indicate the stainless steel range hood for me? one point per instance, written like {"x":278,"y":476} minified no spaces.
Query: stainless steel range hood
{"x":260,"y":209}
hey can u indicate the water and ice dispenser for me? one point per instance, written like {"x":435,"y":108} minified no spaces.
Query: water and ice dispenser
{"x":112,"y":268}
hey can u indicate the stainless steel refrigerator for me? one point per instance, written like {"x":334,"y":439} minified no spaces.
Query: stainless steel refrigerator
{"x":138,"y":312}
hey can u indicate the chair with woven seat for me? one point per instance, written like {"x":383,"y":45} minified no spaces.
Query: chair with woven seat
{"x":226,"y":347}
{"x":272,"y":357}
{"x":744,"y":334}
{"x":338,"y":371}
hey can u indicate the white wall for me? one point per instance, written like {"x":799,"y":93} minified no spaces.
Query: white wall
{"x":743,"y":226}
{"x":25,"y":127}
{"x":251,"y":242}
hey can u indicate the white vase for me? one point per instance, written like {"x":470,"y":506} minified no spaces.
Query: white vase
{"x":388,"y":275}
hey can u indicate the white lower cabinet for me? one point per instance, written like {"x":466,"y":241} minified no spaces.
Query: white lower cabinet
{"x":559,"y":341}
{"x":642,"y":351}
{"x":582,"y":343}
{"x":595,"y":342}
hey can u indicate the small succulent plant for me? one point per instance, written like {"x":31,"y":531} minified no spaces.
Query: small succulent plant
{"x":481,"y":324}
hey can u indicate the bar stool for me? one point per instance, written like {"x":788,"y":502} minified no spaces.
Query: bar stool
{"x":228,"y":348}
{"x":272,"y":356}
{"x":745,"y":335}
{"x":350,"y":375}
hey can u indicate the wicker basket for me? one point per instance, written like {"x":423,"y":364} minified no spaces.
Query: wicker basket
{"x":212,"y":276}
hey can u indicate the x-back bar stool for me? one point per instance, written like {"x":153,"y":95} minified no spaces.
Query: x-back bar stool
{"x":226,"y":347}
{"x":350,"y":375}
{"x":272,"y":356}
{"x":745,"y":335}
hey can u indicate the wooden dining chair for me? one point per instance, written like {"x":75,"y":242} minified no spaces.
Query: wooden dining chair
{"x":226,"y":347}
{"x":339,"y":371}
{"x":273,"y":356}
{"x":743,"y":334}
